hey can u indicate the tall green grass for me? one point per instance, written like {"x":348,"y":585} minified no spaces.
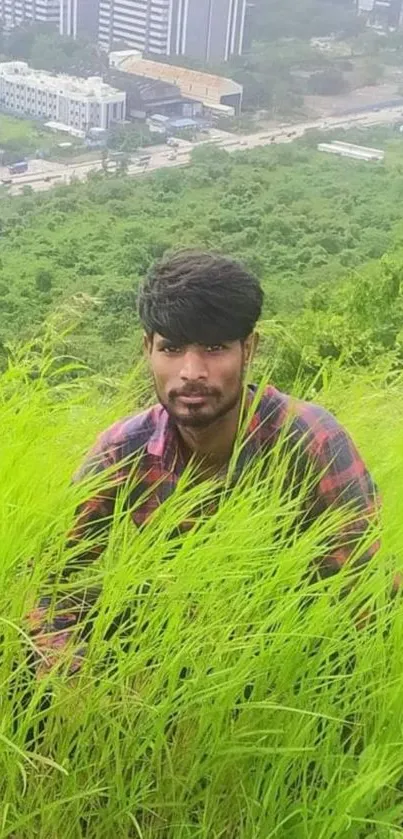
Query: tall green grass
{"x":233,"y":702}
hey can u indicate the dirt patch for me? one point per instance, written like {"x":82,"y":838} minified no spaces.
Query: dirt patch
{"x":36,"y":167}
{"x":359,"y":98}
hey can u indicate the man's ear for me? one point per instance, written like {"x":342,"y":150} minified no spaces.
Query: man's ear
{"x":250,"y":346}
{"x":147,"y":344}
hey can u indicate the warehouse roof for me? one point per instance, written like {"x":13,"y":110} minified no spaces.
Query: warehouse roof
{"x":205,"y":87}
{"x":144,"y":88}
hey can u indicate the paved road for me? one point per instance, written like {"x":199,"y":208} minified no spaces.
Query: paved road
{"x":162,"y":158}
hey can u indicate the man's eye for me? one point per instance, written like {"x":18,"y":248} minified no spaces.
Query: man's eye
{"x":170,"y":350}
{"x":215,"y":348}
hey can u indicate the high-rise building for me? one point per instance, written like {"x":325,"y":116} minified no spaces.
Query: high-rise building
{"x":79,"y":18}
{"x":72,"y":17}
{"x":15,"y":12}
{"x":387,"y":14}
{"x":207,"y":30}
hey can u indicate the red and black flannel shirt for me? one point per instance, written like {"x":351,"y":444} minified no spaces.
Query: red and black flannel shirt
{"x":151,"y":440}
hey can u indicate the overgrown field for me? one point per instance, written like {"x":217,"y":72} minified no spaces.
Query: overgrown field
{"x":231,"y":703}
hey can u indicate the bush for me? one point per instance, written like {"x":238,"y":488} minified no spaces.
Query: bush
{"x":328,"y":82}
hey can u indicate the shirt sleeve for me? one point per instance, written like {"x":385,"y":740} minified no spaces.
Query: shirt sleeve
{"x":345,"y":482}
{"x":58,"y":625}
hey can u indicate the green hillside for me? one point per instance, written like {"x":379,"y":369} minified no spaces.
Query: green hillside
{"x":305,"y":223}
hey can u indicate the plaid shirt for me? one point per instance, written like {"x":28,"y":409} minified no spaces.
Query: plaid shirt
{"x":150,"y":441}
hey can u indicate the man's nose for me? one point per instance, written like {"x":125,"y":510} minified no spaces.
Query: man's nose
{"x":193,"y":367}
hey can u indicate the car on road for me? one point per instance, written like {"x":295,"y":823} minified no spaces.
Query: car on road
{"x":172,"y":142}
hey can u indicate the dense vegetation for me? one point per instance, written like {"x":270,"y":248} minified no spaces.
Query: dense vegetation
{"x":307,"y":18}
{"x":315,"y":229}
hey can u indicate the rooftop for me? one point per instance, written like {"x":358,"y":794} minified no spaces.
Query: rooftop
{"x":349,"y":150}
{"x":204,"y":86}
{"x":70,"y":85}
{"x":183,"y":122}
{"x":62,"y":127}
{"x":142,"y":88}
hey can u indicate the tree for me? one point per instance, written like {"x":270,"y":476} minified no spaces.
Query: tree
{"x":370,"y":73}
{"x":42,"y":47}
{"x":104,"y":159}
{"x":122,"y":166}
{"x":269,"y":75}
{"x":327,"y":83}
{"x":20,"y":40}
{"x":47,"y":54}
{"x":43,"y":280}
{"x":273,"y":20}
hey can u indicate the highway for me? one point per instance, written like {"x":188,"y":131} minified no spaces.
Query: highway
{"x":43,"y":175}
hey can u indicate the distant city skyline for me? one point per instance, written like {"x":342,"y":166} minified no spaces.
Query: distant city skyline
{"x":205,"y":30}
{"x":209,"y":31}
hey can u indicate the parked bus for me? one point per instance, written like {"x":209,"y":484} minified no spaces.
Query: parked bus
{"x":18,"y":168}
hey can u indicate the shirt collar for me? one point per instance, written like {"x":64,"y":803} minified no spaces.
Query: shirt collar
{"x":163,"y":442}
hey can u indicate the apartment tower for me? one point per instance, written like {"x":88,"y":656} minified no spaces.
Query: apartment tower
{"x":206,"y":30}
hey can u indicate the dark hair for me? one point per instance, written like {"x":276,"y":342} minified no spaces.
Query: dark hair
{"x":196,"y":297}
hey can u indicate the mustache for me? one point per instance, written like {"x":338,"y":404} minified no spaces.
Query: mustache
{"x":194,"y":390}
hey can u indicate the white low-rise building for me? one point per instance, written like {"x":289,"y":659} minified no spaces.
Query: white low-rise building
{"x":80,"y":103}
{"x":352,"y":150}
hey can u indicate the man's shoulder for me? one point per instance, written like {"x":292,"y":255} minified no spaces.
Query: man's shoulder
{"x":303,"y":420}
{"x":133,"y":431}
{"x":123,"y":439}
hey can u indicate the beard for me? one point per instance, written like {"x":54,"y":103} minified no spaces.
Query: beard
{"x":202,"y":415}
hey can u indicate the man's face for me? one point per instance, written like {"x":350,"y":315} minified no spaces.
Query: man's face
{"x":198,"y":384}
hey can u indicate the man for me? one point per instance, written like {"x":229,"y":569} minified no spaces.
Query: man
{"x":199,"y":313}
